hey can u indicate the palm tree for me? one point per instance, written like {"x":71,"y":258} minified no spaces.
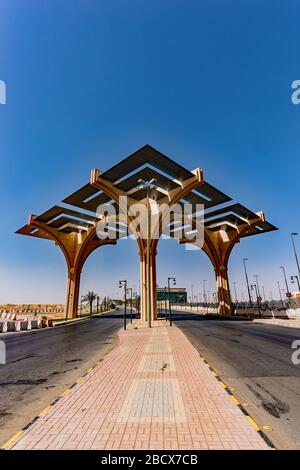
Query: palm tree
{"x":90,"y":297}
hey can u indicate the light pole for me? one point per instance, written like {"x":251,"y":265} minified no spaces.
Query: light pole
{"x":297,"y":279}
{"x":81,"y":299}
{"x":247,"y":281}
{"x":170,"y":309}
{"x":257,"y":297}
{"x":136,"y":304}
{"x":256,"y":276}
{"x":130,"y":289}
{"x":139,"y":299}
{"x":293,"y":234}
{"x":288,"y":295}
{"x":264,"y":293}
{"x":148,"y":185}
{"x":235,"y":293}
{"x":123,"y":284}
{"x":166,"y":310}
{"x":197,"y":304}
{"x":204,"y":295}
{"x":280,"y":296}
{"x":192,"y":289}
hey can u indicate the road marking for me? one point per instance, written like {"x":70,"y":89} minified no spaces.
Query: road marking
{"x":230,"y":391}
{"x":251,"y":420}
{"x":12,"y":439}
{"x":45,"y":410}
{"x":235,"y":400}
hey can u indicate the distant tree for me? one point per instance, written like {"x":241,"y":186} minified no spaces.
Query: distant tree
{"x":90,"y":297}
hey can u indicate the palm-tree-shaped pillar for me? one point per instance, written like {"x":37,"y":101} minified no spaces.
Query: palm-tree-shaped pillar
{"x":76,"y":248}
{"x":218,"y":246}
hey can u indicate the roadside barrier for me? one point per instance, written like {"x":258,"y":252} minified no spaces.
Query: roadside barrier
{"x":10,"y":322}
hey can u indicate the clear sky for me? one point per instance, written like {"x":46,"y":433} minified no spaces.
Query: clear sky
{"x":207,"y":82}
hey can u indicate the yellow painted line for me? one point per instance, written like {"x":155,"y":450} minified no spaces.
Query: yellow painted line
{"x":233,"y":389}
{"x":234,"y":399}
{"x":65,"y":392}
{"x":213,"y":372}
{"x":79,"y":380}
{"x":89,"y":370}
{"x":222,"y":383}
{"x":45,"y":411}
{"x":245,"y":404}
{"x":12,"y":439}
{"x":266,"y":428}
{"x":251,"y":421}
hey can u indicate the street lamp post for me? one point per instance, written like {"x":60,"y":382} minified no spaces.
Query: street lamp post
{"x":197,"y":303}
{"x":204,"y":295}
{"x":264,"y":293}
{"x":256,"y":276}
{"x":148,"y":185}
{"x":295,"y":252}
{"x":235,"y":293}
{"x":81,"y":299}
{"x":192,"y":289}
{"x":130,"y":289}
{"x":136,"y":304}
{"x":123,"y":283}
{"x":170,"y":309}
{"x":257,"y":297}
{"x":286,"y":284}
{"x":247,"y":281}
{"x":297,"y":279}
{"x":280,"y":296}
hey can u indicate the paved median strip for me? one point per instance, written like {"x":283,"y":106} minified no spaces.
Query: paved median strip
{"x":151,"y":392}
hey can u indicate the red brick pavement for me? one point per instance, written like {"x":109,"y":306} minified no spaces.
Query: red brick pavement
{"x":153,"y":391}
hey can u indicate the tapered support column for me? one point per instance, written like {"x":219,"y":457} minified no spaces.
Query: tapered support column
{"x":145,"y":287}
{"x":73,"y":285}
{"x":223,"y":291}
{"x":153,"y":285}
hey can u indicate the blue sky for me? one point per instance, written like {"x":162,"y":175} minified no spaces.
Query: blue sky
{"x":88,"y":82}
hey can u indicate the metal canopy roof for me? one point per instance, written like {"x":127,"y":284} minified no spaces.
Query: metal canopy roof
{"x":146,"y":163}
{"x":147,"y":154}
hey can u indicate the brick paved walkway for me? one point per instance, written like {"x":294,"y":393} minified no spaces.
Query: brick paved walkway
{"x":152,"y":392}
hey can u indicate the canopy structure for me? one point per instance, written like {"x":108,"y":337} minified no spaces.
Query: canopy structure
{"x":73,"y":224}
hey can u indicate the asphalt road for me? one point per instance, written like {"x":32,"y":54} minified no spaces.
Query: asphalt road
{"x":255,"y":360}
{"x":41,"y":364}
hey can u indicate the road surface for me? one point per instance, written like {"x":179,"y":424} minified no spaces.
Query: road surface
{"x":41,"y":364}
{"x":255,"y":360}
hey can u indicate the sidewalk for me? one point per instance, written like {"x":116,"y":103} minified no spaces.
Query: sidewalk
{"x":153,"y":391}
